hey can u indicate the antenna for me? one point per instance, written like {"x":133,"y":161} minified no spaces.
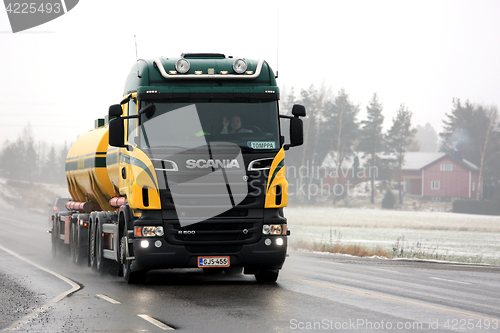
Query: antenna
{"x":136,"y":57}
{"x":277,"y":43}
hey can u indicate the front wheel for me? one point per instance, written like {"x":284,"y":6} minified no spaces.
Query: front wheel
{"x":129,"y":276}
{"x":267,"y":275}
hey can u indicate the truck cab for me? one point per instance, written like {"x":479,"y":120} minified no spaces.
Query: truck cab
{"x":196,"y":149}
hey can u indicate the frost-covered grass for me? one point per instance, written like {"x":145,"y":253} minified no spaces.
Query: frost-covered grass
{"x":408,"y":234}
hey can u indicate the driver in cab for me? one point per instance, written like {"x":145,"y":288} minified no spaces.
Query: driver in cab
{"x":235,"y":125}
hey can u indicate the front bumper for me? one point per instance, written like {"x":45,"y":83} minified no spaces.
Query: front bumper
{"x":257,"y":255}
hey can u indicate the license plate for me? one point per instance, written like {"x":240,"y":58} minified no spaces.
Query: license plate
{"x":213,"y":261}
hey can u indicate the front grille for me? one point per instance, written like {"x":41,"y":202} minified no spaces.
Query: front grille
{"x":208,"y":232}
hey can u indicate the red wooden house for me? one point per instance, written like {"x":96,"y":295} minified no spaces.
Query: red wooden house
{"x":439,"y":175}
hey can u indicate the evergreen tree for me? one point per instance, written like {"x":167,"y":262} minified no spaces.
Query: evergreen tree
{"x":399,"y":138}
{"x":473,"y":132}
{"x":372,"y":138}
{"x":62,"y":163}
{"x":50,"y":168}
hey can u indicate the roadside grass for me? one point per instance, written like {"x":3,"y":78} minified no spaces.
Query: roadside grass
{"x":396,"y":234}
{"x":354,"y":250}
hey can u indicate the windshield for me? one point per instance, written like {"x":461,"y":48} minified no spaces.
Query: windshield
{"x":253,"y":125}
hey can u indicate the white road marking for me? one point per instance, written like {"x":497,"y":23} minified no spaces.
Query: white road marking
{"x":330,"y":262}
{"x":29,"y":317}
{"x":109,"y":299}
{"x":386,"y":270}
{"x":436,"y":278}
{"x":157,"y":323}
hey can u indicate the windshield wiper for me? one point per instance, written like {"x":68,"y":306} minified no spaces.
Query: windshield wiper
{"x":246,"y":148}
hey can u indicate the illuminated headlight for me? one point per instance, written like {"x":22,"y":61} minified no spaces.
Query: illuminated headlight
{"x":275,"y":229}
{"x":182,"y":66}
{"x":240,"y":66}
{"x":145,"y":244}
{"x":149,"y":231}
{"x":279,"y":241}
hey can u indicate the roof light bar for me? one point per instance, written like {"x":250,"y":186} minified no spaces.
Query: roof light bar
{"x":222,"y":75}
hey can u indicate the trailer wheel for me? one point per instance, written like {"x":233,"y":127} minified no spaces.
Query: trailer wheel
{"x":79,"y":253}
{"x":55,"y":234}
{"x":92,"y":246}
{"x":72,"y":243}
{"x":99,"y":258}
{"x":267,"y":275}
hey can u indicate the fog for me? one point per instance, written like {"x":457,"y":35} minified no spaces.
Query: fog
{"x":62,"y":75}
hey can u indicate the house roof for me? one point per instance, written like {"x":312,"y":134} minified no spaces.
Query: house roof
{"x":419,"y":160}
{"x":413,"y":160}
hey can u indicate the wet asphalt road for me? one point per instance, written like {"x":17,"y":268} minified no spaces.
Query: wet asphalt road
{"x":315,"y":292}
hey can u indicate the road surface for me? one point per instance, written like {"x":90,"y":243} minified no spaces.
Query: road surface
{"x":315,"y":293}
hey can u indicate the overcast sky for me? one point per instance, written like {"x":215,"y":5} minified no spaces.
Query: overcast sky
{"x":62,"y":75}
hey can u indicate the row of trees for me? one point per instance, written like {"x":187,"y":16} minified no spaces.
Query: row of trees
{"x":25,"y":159}
{"x":332,"y":125}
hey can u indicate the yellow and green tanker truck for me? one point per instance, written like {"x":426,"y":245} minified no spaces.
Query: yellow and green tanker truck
{"x":188,"y":171}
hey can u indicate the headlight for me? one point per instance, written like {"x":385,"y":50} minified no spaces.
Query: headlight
{"x":182,"y":66}
{"x":274,"y":229}
{"x":240,"y":66}
{"x":149,"y":231}
{"x":159,"y":231}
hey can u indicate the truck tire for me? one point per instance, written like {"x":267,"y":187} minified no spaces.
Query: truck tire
{"x":129,"y":276}
{"x":72,"y":242}
{"x":79,"y":248}
{"x":267,"y":276}
{"x":99,"y":258}
{"x":55,"y":234}
{"x":92,"y":246}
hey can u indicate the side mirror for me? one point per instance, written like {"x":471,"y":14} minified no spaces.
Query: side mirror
{"x":115,"y":110}
{"x":149,"y":110}
{"x":296,"y":132}
{"x":117,"y":132}
{"x":296,"y":126}
{"x":299,"y":110}
{"x":116,"y":126}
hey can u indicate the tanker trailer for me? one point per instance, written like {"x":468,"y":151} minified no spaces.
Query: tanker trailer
{"x":188,"y":172}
